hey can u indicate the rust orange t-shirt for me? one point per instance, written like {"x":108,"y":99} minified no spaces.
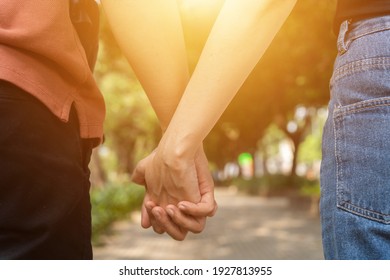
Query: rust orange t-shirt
{"x":41,"y":53}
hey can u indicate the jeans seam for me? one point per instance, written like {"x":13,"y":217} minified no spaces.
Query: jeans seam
{"x":339,"y":170}
{"x":342,"y":111}
{"x":359,"y":66}
{"x":370,"y":214}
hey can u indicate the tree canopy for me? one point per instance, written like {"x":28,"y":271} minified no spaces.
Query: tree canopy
{"x":294,"y":71}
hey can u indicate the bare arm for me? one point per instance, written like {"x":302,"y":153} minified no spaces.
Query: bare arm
{"x":242,"y":32}
{"x":240,"y":36}
{"x":150,"y":34}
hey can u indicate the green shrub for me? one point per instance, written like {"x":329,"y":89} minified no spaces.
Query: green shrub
{"x":112,"y":203}
{"x":311,"y":188}
{"x":274,"y":185}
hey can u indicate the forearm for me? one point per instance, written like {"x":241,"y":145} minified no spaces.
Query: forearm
{"x":241,"y":34}
{"x":150,"y":35}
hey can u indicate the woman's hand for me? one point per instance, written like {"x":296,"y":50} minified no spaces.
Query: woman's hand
{"x":178,"y":198}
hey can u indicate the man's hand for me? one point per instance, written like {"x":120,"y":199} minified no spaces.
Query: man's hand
{"x":177,"y":218}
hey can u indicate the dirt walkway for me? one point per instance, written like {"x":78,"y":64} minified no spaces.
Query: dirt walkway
{"x":244,"y":228}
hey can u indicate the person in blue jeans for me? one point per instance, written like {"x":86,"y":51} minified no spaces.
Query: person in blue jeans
{"x":355,"y":170}
{"x":355,"y":178}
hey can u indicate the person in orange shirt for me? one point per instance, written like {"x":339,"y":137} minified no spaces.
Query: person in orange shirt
{"x":51,"y":116}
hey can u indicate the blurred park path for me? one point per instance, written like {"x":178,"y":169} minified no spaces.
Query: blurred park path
{"x":244,"y":227}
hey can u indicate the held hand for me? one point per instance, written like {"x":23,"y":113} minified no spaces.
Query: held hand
{"x":188,"y":214}
{"x":191,"y":216}
{"x":165,"y":186}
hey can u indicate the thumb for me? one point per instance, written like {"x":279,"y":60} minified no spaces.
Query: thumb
{"x":205,"y":179}
{"x":138,"y":175}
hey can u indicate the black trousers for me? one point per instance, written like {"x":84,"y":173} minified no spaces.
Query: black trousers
{"x":45,"y":210}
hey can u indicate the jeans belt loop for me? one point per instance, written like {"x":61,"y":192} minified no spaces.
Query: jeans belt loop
{"x":342,"y":44}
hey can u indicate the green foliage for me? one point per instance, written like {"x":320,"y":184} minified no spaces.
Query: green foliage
{"x":254,"y":186}
{"x":311,"y":189}
{"x":310,"y":149}
{"x":295,"y":71}
{"x":277,"y":185}
{"x":269,"y":144}
{"x":269,"y":185}
{"x":112,"y":203}
{"x":131,"y":127}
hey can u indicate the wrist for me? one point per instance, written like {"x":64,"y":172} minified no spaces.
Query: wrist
{"x":177,"y":152}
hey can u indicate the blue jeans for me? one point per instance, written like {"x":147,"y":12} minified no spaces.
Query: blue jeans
{"x":355,"y":170}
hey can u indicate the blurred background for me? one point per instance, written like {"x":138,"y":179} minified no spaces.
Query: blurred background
{"x":264,"y":152}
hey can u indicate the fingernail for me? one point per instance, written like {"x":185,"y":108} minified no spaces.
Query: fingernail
{"x":148,"y":207}
{"x":170,"y":212}
{"x":182,"y":207}
{"x":157,"y":214}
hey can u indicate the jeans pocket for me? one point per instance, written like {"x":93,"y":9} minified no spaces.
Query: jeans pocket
{"x":362,"y":147}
